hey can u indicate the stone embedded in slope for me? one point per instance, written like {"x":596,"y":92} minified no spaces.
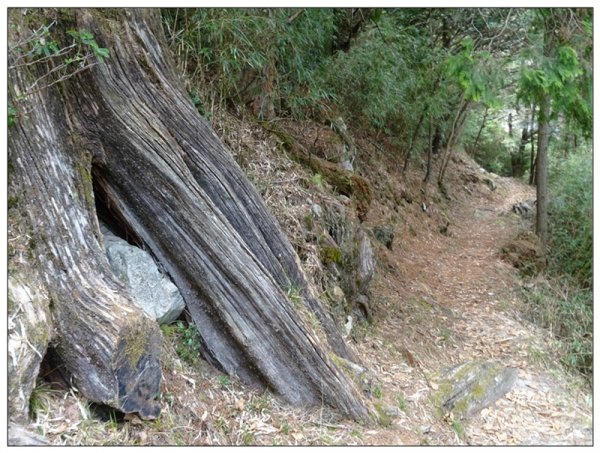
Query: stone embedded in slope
{"x":385,"y":234}
{"x":366,"y":261}
{"x":466,"y":389}
{"x":151,"y":289}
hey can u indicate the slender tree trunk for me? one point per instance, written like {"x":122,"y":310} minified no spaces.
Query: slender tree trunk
{"x":532,"y":157}
{"x":541,"y":172}
{"x":125,"y":134}
{"x":543,"y":140}
{"x":429,"y":150}
{"x":454,"y":133}
{"x":483,"y":122}
{"x":518,"y":159}
{"x":349,"y":22}
{"x":412,"y":141}
{"x":461,"y":121}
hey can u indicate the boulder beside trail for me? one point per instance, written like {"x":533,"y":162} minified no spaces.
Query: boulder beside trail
{"x":525,"y":252}
{"x":152,"y":290}
{"x":466,"y":389}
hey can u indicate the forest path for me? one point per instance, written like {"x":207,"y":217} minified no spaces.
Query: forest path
{"x":450,"y":299}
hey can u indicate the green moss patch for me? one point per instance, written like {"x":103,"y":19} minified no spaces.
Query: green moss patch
{"x":331,"y":255}
{"x":466,"y":389}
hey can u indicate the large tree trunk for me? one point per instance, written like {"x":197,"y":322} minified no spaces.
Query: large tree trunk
{"x":108,"y":346}
{"x":157,"y":167}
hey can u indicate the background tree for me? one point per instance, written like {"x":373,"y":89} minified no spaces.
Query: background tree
{"x":557,"y":82}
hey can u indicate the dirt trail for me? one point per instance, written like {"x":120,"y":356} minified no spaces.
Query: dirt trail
{"x":449,"y":299}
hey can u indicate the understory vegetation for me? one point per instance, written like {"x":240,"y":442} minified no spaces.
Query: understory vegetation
{"x":564,"y":301}
{"x":424,"y":82}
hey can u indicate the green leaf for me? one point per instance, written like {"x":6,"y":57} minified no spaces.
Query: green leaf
{"x":102,"y":53}
{"x":12,"y":115}
{"x":86,"y":35}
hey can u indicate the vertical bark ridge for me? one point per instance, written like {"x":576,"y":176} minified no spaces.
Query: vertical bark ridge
{"x":185,"y":196}
{"x":93,"y":315}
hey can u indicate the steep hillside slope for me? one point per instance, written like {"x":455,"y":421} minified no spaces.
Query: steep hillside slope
{"x":441,"y":295}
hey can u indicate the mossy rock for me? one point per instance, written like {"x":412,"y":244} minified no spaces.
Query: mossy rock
{"x":385,"y":235}
{"x":361,"y":376}
{"x":525,"y":253}
{"x":466,"y":389}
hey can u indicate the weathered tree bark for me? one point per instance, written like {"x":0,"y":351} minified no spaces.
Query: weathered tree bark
{"x":128,"y":128}
{"x":29,"y":331}
{"x":107,"y":344}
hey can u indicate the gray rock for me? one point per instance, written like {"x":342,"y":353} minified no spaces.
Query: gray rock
{"x":347,"y":165}
{"x":466,"y":389}
{"x":366,"y":261}
{"x":385,"y":235}
{"x":344,"y":199}
{"x":393,"y":411}
{"x":337,"y":294}
{"x":491,"y":184}
{"x":152,"y":290}
{"x":317,"y":210}
{"x":525,"y":208}
{"x":521,"y":208}
{"x":348,"y":325}
{"x":425,"y":429}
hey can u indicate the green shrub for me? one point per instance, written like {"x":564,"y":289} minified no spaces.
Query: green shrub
{"x":494,"y":145}
{"x":224,"y":381}
{"x":245,"y":54}
{"x":331,"y":255}
{"x":567,"y":311}
{"x":570,"y":220}
{"x":186,"y":340}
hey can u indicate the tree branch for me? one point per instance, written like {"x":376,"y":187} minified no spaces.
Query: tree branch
{"x":295,"y":16}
